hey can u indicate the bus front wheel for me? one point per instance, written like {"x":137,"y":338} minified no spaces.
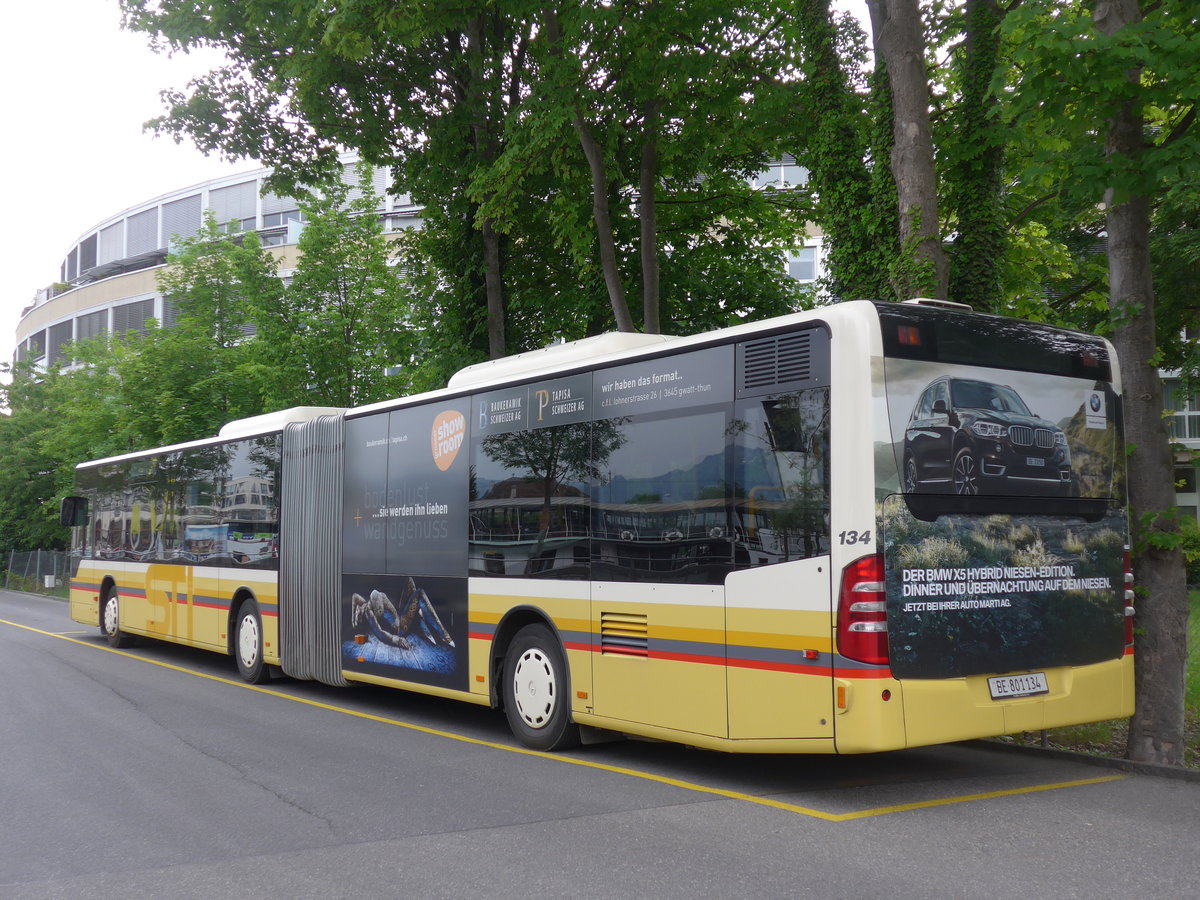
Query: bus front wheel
{"x":110,"y":621}
{"x":248,"y":644}
{"x":537,"y":691}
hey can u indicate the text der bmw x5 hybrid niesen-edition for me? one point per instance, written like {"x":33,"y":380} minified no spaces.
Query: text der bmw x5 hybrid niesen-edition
{"x":865,"y":527}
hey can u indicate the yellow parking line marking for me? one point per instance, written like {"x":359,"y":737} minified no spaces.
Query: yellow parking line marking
{"x":586,"y":763}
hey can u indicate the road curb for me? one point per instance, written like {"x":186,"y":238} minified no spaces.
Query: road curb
{"x":1179,"y":773}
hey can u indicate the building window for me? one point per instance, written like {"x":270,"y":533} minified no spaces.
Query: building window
{"x":802,"y":264}
{"x":37,"y":345}
{"x":279,"y":219}
{"x":91,"y":324}
{"x":132,"y":316}
{"x":60,"y":337}
{"x":782,"y":173}
{"x":1184,"y":424}
{"x":1185,"y":479}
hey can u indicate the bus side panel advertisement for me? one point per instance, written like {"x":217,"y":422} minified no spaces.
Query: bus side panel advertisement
{"x":1004,"y":548}
{"x":972,"y":595}
{"x":996,"y":432}
{"x":407,"y":628}
{"x":404,"y":537}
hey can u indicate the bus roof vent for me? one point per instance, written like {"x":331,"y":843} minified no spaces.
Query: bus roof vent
{"x":555,"y":356}
{"x":944,"y":304}
{"x":783,"y":362}
{"x":275,"y":421}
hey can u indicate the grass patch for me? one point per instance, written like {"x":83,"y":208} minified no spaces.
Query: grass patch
{"x":1108,"y":738}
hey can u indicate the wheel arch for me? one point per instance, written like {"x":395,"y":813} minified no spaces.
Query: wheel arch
{"x":240,"y":596}
{"x":512,"y":622}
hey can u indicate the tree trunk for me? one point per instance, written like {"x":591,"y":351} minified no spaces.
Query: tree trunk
{"x":649,"y":220}
{"x":594,"y":154}
{"x":603,"y":220}
{"x":494,"y":287}
{"x":1156,"y":733}
{"x":976,"y":179}
{"x":900,"y":43}
{"x":485,"y":151}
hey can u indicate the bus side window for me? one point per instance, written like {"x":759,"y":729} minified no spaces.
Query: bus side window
{"x":662,"y":500}
{"x":781,"y":480}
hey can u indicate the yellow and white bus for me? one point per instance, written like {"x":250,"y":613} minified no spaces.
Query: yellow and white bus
{"x":865,"y":527}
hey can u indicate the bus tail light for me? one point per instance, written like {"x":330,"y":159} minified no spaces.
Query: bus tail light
{"x":1128,"y":600}
{"x":862,"y":612}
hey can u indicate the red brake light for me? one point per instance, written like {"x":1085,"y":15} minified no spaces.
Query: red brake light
{"x":862,"y":612}
{"x":1128,"y":600}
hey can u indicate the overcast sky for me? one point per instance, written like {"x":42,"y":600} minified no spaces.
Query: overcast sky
{"x":77,"y":90}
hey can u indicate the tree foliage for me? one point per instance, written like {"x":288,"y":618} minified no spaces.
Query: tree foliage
{"x":339,"y":333}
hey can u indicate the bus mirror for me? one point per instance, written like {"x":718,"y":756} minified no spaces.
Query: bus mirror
{"x":74,"y":511}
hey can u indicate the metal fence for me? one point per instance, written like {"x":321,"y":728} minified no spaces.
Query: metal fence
{"x":38,"y":571}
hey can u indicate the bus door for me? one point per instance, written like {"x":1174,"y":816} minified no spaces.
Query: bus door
{"x":778,"y":601}
{"x":661,"y":540}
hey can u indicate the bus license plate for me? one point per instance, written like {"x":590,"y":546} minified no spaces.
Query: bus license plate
{"x":1008,"y":686}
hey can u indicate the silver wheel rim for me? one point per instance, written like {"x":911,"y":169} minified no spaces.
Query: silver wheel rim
{"x":535,"y":687}
{"x":110,"y":616}
{"x":248,"y":641}
{"x":964,"y":475}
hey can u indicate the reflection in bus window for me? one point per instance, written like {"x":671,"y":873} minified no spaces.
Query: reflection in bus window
{"x":661,"y":502}
{"x":529,"y":502}
{"x":781,"y":480}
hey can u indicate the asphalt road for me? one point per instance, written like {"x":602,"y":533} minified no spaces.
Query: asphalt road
{"x":155,"y":773}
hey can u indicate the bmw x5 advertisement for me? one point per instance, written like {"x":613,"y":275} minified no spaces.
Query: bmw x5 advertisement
{"x":1003,"y":531}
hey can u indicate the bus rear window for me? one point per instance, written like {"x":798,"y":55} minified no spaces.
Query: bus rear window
{"x":939,"y":335}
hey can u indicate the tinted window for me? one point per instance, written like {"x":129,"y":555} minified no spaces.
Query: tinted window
{"x":662,"y":502}
{"x":947,"y":336}
{"x":530,"y":502}
{"x":781,"y":477}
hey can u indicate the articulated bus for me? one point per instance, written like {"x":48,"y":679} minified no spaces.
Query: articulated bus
{"x":865,"y":527}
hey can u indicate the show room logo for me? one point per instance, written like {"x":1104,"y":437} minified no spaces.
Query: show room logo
{"x":449,"y":431}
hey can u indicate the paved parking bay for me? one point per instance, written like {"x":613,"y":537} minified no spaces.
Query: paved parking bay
{"x":156,"y":772}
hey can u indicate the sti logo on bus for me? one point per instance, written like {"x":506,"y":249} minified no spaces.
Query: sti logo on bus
{"x":449,"y":430}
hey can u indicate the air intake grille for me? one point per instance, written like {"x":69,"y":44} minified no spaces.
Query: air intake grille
{"x":796,"y":360}
{"x":626,"y":634}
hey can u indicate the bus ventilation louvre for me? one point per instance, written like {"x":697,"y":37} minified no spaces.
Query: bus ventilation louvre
{"x":787,"y":361}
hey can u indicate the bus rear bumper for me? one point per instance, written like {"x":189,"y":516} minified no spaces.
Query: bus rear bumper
{"x":958,"y":709}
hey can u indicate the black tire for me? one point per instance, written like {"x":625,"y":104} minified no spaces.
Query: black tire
{"x":912,"y":483}
{"x":110,"y":621}
{"x":248,"y":645}
{"x":966,"y":473}
{"x":537,"y":691}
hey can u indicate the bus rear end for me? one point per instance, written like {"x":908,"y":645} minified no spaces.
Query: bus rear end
{"x":998,"y":602}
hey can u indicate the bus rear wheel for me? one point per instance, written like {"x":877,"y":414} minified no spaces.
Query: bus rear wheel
{"x":248,"y":644}
{"x":110,"y":621}
{"x":536,"y":688}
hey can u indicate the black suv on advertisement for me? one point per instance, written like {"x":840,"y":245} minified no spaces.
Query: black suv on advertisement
{"x":974,"y":437}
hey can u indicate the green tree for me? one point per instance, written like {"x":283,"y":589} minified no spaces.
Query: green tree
{"x":859,"y":219}
{"x":922,"y":268}
{"x":1117,"y":89}
{"x":658,"y":101}
{"x":331,"y":337}
{"x":184,"y":382}
{"x":420,"y":88}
